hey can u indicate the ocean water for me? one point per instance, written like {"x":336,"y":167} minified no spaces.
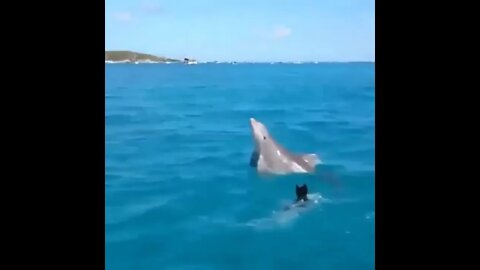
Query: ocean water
{"x":179,"y":190}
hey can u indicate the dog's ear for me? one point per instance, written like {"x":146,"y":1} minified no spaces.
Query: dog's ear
{"x":302,"y":190}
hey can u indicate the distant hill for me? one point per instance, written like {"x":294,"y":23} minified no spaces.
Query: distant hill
{"x":129,"y":56}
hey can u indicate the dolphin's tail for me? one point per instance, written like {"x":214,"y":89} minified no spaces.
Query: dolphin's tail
{"x":312,"y":159}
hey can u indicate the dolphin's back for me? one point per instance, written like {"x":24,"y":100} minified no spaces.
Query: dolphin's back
{"x":271,"y":157}
{"x":279,"y":159}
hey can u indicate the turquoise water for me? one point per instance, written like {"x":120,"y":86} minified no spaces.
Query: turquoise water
{"x":179,"y":190}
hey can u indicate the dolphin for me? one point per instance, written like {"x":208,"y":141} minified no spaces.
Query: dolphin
{"x":269,"y":157}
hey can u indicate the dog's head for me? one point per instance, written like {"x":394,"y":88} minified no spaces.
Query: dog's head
{"x":302,"y":192}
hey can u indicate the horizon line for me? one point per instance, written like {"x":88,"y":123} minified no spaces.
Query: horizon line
{"x":249,"y":61}
{"x":278,"y":62}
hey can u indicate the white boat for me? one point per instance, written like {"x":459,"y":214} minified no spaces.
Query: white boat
{"x":190,"y":61}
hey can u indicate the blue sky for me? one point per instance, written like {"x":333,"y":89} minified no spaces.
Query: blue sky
{"x":244,"y":30}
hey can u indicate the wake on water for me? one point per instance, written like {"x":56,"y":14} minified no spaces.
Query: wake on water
{"x":288,"y":213}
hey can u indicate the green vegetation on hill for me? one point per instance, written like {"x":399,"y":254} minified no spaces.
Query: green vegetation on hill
{"x":134,"y":56}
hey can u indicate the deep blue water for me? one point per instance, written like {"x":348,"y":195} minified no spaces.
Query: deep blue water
{"x":180,"y":193}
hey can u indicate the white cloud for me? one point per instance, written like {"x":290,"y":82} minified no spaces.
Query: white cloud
{"x":281,"y":32}
{"x":122,"y":16}
{"x":150,"y":7}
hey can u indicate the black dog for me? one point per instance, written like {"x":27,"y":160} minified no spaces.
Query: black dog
{"x":302,"y":192}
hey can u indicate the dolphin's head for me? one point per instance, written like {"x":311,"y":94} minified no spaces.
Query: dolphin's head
{"x":259,"y":132}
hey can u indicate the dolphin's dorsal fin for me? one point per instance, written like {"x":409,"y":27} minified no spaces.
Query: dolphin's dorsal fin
{"x":311,"y":159}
